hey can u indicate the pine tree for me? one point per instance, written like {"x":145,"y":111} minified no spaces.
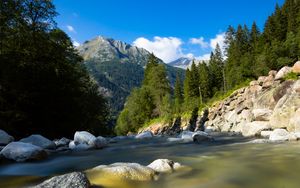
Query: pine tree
{"x":178,"y":94}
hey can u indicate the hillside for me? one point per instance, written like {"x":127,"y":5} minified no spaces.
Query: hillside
{"x":118,"y":67}
{"x":269,"y":103}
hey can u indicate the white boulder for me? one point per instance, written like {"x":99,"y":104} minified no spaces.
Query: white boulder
{"x":20,"y":151}
{"x":279,"y":135}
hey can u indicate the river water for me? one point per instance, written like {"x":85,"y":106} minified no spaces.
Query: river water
{"x":229,"y":162}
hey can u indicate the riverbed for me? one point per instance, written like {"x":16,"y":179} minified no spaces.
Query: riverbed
{"x":228,"y":162}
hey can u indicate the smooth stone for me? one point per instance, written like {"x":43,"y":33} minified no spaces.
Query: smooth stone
{"x":20,"y":151}
{"x":84,"y":137}
{"x":121,"y":171}
{"x":279,"y":135}
{"x":40,"y":141}
{"x":254,"y":128}
{"x":164,"y":165}
{"x":283,"y":72}
{"x":143,"y":135}
{"x":5,"y":138}
{"x":71,"y":180}
{"x":265,"y":134}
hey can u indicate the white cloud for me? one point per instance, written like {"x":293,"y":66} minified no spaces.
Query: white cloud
{"x":200,"y":41}
{"x":166,"y":48}
{"x":219,"y":39}
{"x":75,"y":43}
{"x":71,"y":28}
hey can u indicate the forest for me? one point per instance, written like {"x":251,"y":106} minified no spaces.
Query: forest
{"x":248,"y":53}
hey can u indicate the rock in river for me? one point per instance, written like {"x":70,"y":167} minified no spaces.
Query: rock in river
{"x":71,"y":180}
{"x":20,"y":152}
{"x":40,"y":141}
{"x":5,"y":138}
{"x":164,"y":165}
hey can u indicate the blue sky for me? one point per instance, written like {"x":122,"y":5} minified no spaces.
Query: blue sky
{"x":169,"y":28}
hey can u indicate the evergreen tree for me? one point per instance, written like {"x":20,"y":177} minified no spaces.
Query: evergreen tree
{"x":178,"y":95}
{"x":44,"y":88}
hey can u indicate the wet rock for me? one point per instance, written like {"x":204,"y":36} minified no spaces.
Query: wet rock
{"x":279,"y":135}
{"x":262,"y":114}
{"x":254,"y":128}
{"x":164,"y":165}
{"x":283,"y":72}
{"x":5,"y":138}
{"x":101,"y":142}
{"x":71,"y":180}
{"x":62,"y":142}
{"x":200,"y":137}
{"x":84,"y":137}
{"x":123,"y":171}
{"x":146,"y":134}
{"x":40,"y":141}
{"x":79,"y":147}
{"x":20,"y":151}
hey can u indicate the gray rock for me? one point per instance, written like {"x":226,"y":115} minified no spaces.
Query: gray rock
{"x":101,"y":142}
{"x":143,"y":135}
{"x":62,"y":142}
{"x":20,"y":151}
{"x":262,"y":114}
{"x":186,"y":135}
{"x":40,"y":141}
{"x":79,"y":147}
{"x":254,"y":128}
{"x":279,"y":135}
{"x":5,"y":138}
{"x":164,"y":165}
{"x":200,"y":136}
{"x":71,"y":180}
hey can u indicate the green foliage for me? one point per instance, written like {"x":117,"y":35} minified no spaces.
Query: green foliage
{"x":152,"y":100}
{"x":291,"y":76}
{"x":44,"y":88}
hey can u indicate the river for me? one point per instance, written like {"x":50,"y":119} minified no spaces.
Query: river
{"x":228,"y":162}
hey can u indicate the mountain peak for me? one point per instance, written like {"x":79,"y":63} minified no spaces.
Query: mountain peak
{"x":105,"y":49}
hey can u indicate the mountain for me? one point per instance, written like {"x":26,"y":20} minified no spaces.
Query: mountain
{"x":184,"y":62}
{"x":118,"y":67}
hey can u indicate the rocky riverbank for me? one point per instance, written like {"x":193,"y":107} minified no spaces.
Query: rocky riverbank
{"x":268,"y":108}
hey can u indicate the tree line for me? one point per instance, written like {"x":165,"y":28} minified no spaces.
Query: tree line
{"x":44,"y":87}
{"x":248,"y":53}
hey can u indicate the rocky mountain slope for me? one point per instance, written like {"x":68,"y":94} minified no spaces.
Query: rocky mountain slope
{"x":184,"y":62}
{"x":268,"y":107}
{"x":117,"y":67}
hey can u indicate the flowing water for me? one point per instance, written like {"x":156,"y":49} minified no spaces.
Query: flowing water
{"x":229,"y":162}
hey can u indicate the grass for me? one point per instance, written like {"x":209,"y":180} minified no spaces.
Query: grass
{"x":291,"y":76}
